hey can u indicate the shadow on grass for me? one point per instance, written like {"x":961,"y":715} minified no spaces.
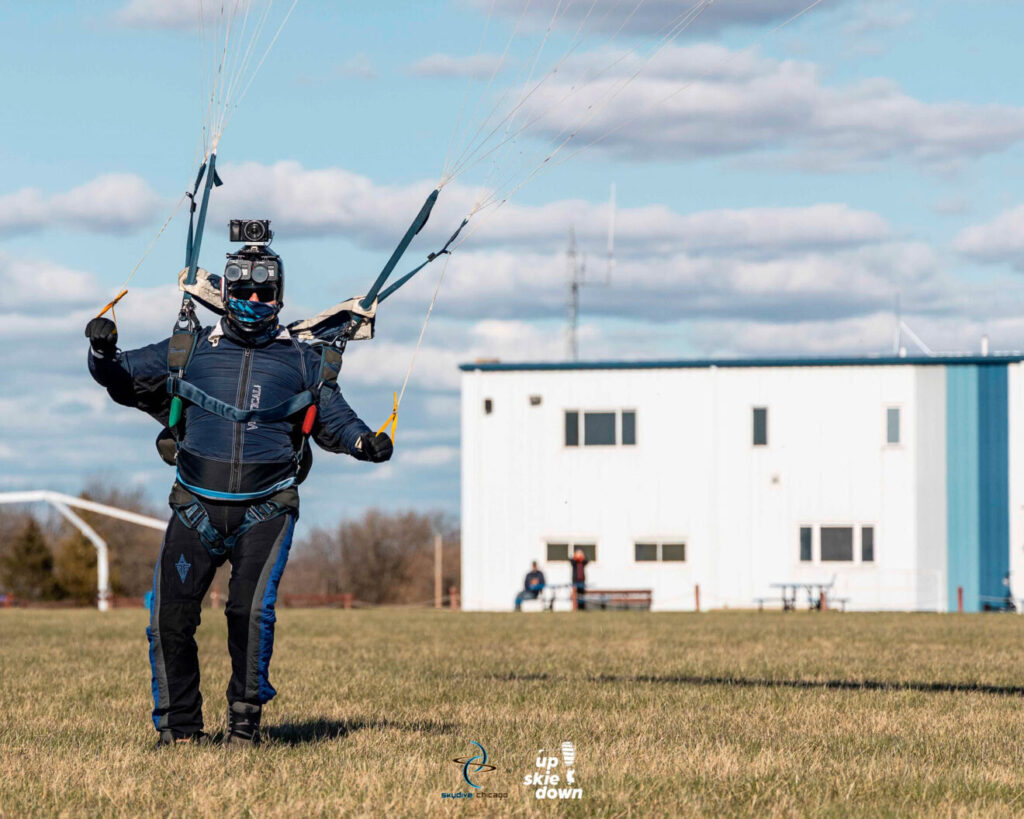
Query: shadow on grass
{"x":842,"y":685}
{"x":319,"y":730}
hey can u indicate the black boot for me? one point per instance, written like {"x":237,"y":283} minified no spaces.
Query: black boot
{"x":167,"y":739}
{"x":243,"y":724}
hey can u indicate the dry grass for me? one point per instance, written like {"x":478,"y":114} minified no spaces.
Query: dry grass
{"x":672,"y":715}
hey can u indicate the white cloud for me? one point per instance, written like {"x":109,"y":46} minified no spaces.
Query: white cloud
{"x":359,"y":66}
{"x":34,"y":286}
{"x":112,"y":203}
{"x":172,"y":14}
{"x":653,"y":17}
{"x":709,"y":101}
{"x":1000,"y":241}
{"x":447,"y":65}
{"x":869,"y":334}
{"x":873,"y":20}
{"x":428,"y":456}
{"x":334,"y":201}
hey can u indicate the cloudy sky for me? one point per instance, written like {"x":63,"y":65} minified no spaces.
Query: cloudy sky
{"x":780,"y":184}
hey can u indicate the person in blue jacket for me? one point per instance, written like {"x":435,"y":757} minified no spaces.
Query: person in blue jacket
{"x":533,"y":585}
{"x":235,"y":495}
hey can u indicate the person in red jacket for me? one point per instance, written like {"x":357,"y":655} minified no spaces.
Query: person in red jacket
{"x":579,"y":578}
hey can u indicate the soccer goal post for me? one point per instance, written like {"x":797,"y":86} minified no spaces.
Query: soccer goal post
{"x":65,"y":505}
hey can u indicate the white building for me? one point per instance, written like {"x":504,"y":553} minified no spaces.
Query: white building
{"x":902,"y":477}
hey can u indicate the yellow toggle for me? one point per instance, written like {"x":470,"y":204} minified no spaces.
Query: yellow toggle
{"x":392,"y":420}
{"x":110,"y":305}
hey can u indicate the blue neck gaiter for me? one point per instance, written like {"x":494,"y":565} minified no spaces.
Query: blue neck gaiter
{"x":253,"y":318}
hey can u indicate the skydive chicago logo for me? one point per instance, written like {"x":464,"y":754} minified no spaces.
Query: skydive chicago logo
{"x":478,"y":764}
{"x":552,"y":785}
{"x":472,"y":767}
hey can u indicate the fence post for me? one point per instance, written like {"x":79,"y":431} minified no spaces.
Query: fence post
{"x":696,"y":596}
{"x":823,"y":601}
{"x":453,"y":597}
{"x":960,"y":599}
{"x":437,"y":572}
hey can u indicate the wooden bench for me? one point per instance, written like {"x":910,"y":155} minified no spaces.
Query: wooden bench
{"x":619,"y":599}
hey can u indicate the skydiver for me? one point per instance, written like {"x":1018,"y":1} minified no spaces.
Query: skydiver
{"x":235,"y":496}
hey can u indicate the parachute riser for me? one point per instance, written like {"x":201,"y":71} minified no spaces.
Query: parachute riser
{"x":416,"y":226}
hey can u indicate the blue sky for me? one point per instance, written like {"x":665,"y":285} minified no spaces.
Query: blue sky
{"x":778,"y":202}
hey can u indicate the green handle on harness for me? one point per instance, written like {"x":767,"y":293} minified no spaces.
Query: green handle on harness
{"x":175,"y":416}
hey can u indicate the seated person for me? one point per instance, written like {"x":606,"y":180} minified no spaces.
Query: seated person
{"x":533,"y":585}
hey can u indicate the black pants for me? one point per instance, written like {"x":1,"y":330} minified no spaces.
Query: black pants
{"x":182,"y":577}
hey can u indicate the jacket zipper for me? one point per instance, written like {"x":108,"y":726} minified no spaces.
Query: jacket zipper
{"x":238,"y":435}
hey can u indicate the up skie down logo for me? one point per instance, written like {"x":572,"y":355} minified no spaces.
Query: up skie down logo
{"x":476,"y":764}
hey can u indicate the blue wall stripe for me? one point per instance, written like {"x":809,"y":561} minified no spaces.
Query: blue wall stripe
{"x":962,"y":527}
{"x":993,"y":481}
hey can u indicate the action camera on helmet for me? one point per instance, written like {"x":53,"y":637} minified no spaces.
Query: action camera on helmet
{"x":251,"y":231}
{"x":255,"y":267}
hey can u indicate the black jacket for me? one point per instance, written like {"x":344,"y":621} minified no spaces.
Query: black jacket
{"x":534,"y":581}
{"x":221,"y":459}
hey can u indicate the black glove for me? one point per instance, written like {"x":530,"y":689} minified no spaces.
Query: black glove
{"x":376,"y":448}
{"x":102,"y":335}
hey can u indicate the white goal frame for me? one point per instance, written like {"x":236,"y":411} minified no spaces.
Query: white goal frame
{"x":63,"y":504}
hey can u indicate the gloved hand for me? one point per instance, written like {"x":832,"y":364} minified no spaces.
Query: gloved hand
{"x":376,"y":448}
{"x":102,"y":335}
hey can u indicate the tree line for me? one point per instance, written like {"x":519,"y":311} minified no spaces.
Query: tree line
{"x":379,"y":558}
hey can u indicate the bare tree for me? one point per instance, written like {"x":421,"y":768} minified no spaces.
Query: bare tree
{"x":380,"y":558}
{"x":133,"y":549}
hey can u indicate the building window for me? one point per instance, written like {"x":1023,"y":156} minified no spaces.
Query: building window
{"x":488,"y":406}
{"x":565,"y":551}
{"x":892,"y":425}
{"x":673,"y":552}
{"x":599,"y":428}
{"x":665,"y":552}
{"x":645,"y":552}
{"x":837,"y":543}
{"x":589,"y":550}
{"x":805,"y":544}
{"x":760,"y":426}
{"x":572,"y":428}
{"x":628,"y":427}
{"x":867,"y":544}
{"x":558,"y":551}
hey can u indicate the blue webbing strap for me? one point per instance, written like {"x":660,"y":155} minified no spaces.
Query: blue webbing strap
{"x":192,"y":214}
{"x":393,"y":287}
{"x":195,"y":517}
{"x":195,"y":235}
{"x":203,"y":400}
{"x":414,"y":228}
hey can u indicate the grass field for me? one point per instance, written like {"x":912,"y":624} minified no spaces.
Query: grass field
{"x":671,"y":715}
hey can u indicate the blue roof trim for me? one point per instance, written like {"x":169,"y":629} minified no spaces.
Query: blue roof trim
{"x":689,"y":364}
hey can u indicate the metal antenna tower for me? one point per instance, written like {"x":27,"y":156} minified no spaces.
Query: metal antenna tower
{"x":577,"y":271}
{"x":576,"y":265}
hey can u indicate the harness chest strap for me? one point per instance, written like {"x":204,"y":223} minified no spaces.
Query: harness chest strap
{"x":179,"y":354}
{"x":179,"y":388}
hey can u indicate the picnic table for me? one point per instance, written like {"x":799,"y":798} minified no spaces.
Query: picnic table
{"x":817,"y":592}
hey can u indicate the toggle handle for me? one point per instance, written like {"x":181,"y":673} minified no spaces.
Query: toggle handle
{"x":309,"y":419}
